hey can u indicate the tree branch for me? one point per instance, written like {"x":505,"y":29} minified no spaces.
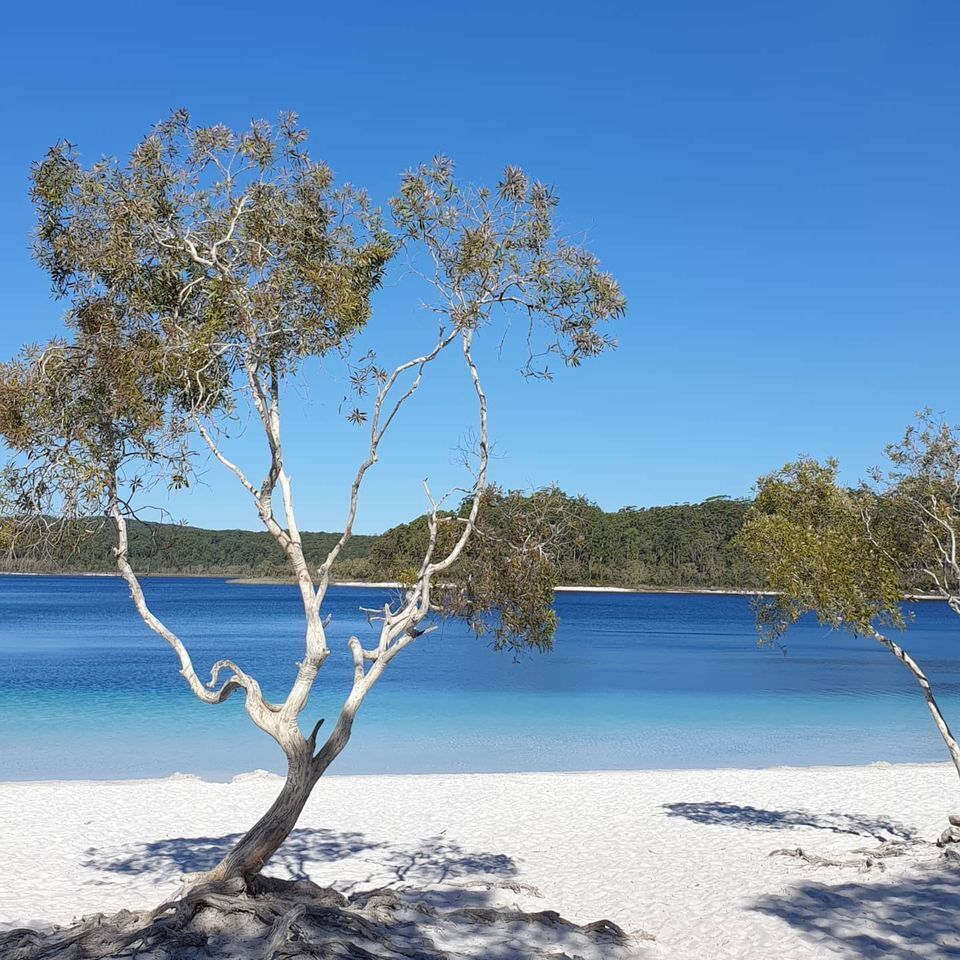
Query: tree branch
{"x":260,"y":711}
{"x":377,"y":432}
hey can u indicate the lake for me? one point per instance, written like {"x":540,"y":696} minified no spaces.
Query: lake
{"x":635,"y":681}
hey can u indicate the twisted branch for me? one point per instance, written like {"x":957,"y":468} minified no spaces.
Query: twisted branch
{"x":260,"y":711}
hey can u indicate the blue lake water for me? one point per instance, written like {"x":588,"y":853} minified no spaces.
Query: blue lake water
{"x":635,"y":681}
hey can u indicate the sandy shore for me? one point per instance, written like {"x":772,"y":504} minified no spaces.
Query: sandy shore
{"x":683,"y":855}
{"x":395,"y":585}
{"x":563,"y":588}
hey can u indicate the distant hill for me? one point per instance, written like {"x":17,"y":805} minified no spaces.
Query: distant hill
{"x":684,"y":545}
{"x":168,"y":548}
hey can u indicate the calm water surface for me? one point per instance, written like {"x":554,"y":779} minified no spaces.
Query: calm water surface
{"x":656,"y":680}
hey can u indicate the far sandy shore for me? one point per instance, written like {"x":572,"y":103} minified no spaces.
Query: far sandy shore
{"x":394,"y":585}
{"x":684,"y":855}
{"x":566,"y":588}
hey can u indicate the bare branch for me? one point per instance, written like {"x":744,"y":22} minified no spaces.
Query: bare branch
{"x":258,"y":709}
{"x":377,"y":431}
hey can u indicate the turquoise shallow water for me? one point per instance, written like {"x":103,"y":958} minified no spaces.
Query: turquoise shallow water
{"x":635,"y":681}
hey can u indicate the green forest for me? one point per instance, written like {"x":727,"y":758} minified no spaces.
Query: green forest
{"x":684,"y":545}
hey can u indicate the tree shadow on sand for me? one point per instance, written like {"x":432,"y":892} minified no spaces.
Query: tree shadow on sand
{"x":432,"y":899}
{"x":434,"y":860}
{"x":733,"y":815}
{"x":916,"y":915}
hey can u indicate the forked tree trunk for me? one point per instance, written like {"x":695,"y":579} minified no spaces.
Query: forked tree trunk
{"x":251,"y":852}
{"x":249,"y":855}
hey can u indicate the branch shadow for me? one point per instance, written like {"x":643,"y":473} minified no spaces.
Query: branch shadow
{"x":434,"y":860}
{"x":430,"y":899}
{"x":753,"y":818}
{"x":915,"y":916}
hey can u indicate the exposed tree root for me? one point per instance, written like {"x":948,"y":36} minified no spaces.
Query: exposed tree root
{"x":869,"y":858}
{"x":273,"y":919}
{"x":873,"y":857}
{"x":514,"y":886}
{"x":952,"y":855}
{"x":952,"y":833}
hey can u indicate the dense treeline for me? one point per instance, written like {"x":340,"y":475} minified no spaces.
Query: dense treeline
{"x":686,"y":545}
{"x":166,"y":548}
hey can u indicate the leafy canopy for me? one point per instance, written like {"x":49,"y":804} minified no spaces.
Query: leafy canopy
{"x":810,"y":538}
{"x":205,"y":251}
{"x":200,"y":274}
{"x":918,"y":512}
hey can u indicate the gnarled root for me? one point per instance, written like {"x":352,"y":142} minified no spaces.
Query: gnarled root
{"x":873,"y":857}
{"x":868,"y":859}
{"x":275,"y":919}
{"x":952,"y":833}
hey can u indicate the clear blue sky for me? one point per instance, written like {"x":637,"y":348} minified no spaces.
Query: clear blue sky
{"x":776,"y":185}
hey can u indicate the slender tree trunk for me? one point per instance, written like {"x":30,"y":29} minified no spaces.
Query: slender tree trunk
{"x":249,"y":855}
{"x":932,"y":705}
{"x":251,"y":852}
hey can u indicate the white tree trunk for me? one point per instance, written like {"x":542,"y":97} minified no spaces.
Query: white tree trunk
{"x":934,"y":708}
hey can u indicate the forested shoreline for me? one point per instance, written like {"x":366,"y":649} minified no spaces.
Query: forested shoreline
{"x":682,"y":545}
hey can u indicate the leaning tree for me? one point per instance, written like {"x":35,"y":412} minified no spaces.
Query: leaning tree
{"x":851,"y":556}
{"x":201,"y":277}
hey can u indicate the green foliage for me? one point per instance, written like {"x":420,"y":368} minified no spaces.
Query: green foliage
{"x":173,"y":549}
{"x":809,"y":537}
{"x":502,"y":585}
{"x":918,"y":506}
{"x":687,"y":545}
{"x":849,"y":556}
{"x":216,"y":246}
{"x":208,"y":252}
{"x":198,"y":276}
{"x":500,"y":249}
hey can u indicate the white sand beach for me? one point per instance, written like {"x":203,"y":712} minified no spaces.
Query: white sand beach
{"x":681,"y":855}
